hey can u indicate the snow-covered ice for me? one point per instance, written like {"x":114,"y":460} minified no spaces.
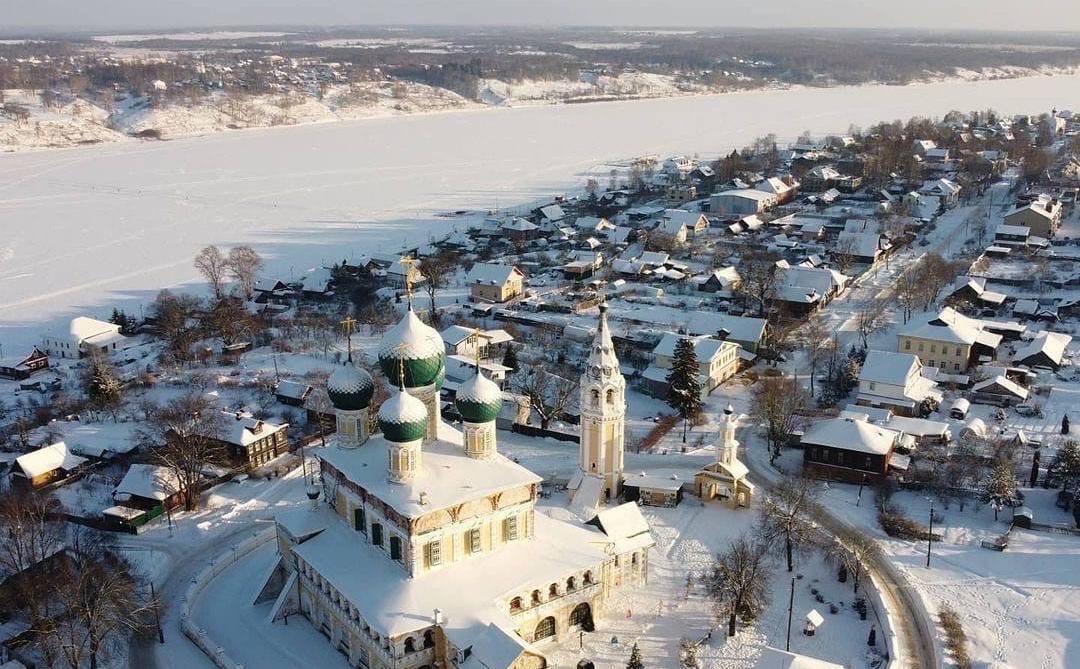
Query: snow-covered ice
{"x":84,"y":229}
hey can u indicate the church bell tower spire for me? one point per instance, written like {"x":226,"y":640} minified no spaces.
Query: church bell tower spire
{"x":603,"y":412}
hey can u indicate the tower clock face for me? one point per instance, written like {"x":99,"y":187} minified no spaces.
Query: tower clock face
{"x":595,"y":371}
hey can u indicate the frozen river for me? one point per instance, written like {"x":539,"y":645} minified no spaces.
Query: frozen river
{"x":86,"y":229}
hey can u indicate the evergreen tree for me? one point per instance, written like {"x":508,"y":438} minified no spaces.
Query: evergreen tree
{"x":999,"y":487}
{"x":102,"y":385}
{"x":635,"y":659}
{"x":684,"y":388}
{"x":1066,"y":465}
{"x":510,"y":359}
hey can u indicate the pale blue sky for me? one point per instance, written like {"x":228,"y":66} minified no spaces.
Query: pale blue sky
{"x":1061,"y":15}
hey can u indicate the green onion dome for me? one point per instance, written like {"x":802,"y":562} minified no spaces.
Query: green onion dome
{"x":350,"y":388}
{"x":419,"y":347}
{"x":478,"y":400}
{"x":403,"y":418}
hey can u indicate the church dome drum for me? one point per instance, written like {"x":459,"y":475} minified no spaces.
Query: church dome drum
{"x":403,"y":418}
{"x":350,"y":388}
{"x":416,"y":348}
{"x":479,"y":400}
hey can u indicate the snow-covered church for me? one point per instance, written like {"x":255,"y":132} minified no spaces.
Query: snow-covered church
{"x":424,"y":548}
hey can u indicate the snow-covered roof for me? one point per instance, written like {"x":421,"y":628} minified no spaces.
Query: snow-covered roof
{"x":748,"y":194}
{"x":411,"y":339}
{"x":654,"y":258}
{"x":1050,"y":344}
{"x":446,"y":474}
{"x":772,"y":658}
{"x":553,"y":212}
{"x":773,"y":185}
{"x":861,"y":244}
{"x":739,"y":328}
{"x":242,"y":429}
{"x":493,"y":648}
{"x":518,"y":224}
{"x":1004,"y":383}
{"x":292,"y":389}
{"x":705,"y":347}
{"x":953,"y":327}
{"x":149,"y":482}
{"x":626,"y":527}
{"x":494,"y":274}
{"x":472,"y":595}
{"x":852,"y":435}
{"x":83,"y":327}
{"x":47,"y":459}
{"x":890,"y":368}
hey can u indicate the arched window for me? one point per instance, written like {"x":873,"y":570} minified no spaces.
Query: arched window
{"x":570,"y":584}
{"x":544,"y":629}
{"x":535,"y":597}
{"x":610,"y":396}
{"x":595,"y":397}
{"x":429,"y":639}
{"x":410,"y":645}
{"x":587,"y":579}
{"x":553,"y":590}
{"x":515,"y":604}
{"x":582,"y":615}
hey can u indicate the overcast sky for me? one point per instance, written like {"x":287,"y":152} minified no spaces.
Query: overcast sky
{"x":940,"y":14}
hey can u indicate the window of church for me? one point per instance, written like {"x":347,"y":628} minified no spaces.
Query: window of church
{"x":610,"y":396}
{"x":571,"y":585}
{"x":588,"y":578}
{"x":595,"y":398}
{"x":474,"y":540}
{"x":376,"y":534}
{"x":510,"y":529}
{"x":515,"y":604}
{"x":633,"y":559}
{"x":553,"y":590}
{"x":359,"y":523}
{"x":395,"y":548}
{"x":429,"y":639}
{"x":410,"y":645}
{"x":535,"y":597}
{"x":434,"y":553}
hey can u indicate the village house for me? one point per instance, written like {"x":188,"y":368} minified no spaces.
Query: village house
{"x":651,"y":490}
{"x":400,"y":274}
{"x":1042,"y":217}
{"x":46,"y":465}
{"x":84,"y":336}
{"x":949,"y":341}
{"x":742,"y":202}
{"x":717,"y":360}
{"x":860,"y":247}
{"x":292,"y":393}
{"x":999,"y":390}
{"x":973,"y":291}
{"x":519,"y":230}
{"x":746,"y":331}
{"x":945,"y":189}
{"x":468,"y":342}
{"x":694,"y":223}
{"x":820,"y":179}
{"x":147,"y":487}
{"x":1046,"y":350}
{"x":493,"y":282}
{"x":22,"y":367}
{"x":785,"y":191}
{"x":251,"y":442}
{"x":895,"y":381}
{"x":723,"y":280}
{"x":848,"y":449}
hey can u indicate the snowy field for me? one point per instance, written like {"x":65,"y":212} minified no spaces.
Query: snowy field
{"x":84,"y":229}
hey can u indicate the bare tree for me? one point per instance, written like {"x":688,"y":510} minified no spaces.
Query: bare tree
{"x":549,"y":395}
{"x":244,"y":265}
{"x":759,"y":279}
{"x":229,"y":320}
{"x":437,"y":270}
{"x":104,"y":601}
{"x":181,"y":435}
{"x":853,"y":550}
{"x":786,"y":517}
{"x":739,"y":580}
{"x":33,"y":530}
{"x":843,"y":254}
{"x":871,"y":317}
{"x":814,"y":340}
{"x":214,"y":267}
{"x":776,"y":402}
{"x":171,"y":316}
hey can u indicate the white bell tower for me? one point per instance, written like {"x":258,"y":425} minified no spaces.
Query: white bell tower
{"x":603,"y":412}
{"x":726,"y":451}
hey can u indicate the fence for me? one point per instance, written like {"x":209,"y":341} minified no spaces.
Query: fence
{"x":533,"y":431}
{"x":199,"y":636}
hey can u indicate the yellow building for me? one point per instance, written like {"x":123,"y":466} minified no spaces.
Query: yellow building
{"x":491,"y":282}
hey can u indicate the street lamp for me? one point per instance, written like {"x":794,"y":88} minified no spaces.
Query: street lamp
{"x":861,"y":484}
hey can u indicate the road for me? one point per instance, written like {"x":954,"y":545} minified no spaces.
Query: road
{"x":195,"y":542}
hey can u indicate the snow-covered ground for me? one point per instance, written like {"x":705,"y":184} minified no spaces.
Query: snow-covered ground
{"x":87,"y":228}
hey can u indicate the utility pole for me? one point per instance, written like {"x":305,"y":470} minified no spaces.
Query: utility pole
{"x":790,"y":609}
{"x":930,"y":534}
{"x":157,"y":614}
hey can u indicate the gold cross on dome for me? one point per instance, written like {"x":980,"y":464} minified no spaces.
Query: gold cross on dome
{"x":408,"y":264}
{"x":348,"y":326}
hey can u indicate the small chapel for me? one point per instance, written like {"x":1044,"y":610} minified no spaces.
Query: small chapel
{"x":425,"y":547}
{"x":726,"y":478}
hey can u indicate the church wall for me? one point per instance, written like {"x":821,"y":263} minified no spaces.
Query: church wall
{"x":455,"y":541}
